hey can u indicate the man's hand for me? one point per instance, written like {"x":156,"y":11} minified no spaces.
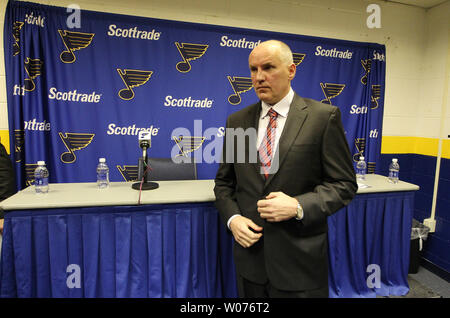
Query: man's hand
{"x":277,"y":207}
{"x":240,"y":227}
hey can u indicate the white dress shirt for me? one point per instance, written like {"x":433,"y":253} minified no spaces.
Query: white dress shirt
{"x":282,"y":108}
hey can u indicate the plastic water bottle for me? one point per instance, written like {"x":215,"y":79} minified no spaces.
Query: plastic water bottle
{"x":102,"y":174}
{"x":361,"y":169}
{"x":41,"y":178}
{"x":394,"y":169}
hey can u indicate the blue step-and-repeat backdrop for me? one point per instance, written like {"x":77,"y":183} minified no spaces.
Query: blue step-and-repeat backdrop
{"x":79,"y":93}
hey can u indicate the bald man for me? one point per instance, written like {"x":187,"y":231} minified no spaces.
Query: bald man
{"x":276,"y":205}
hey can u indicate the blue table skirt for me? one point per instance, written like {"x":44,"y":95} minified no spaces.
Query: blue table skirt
{"x":182,"y":250}
{"x":372,"y":233}
{"x":133,"y":251}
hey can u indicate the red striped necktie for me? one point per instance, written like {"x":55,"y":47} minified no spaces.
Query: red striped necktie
{"x":266,"y":148}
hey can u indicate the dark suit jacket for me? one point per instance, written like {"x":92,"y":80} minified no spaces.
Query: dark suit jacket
{"x":315,"y":167}
{"x":7,"y":179}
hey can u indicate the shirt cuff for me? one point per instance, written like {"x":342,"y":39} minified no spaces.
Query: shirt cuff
{"x":302,"y":213}
{"x":229,"y":220}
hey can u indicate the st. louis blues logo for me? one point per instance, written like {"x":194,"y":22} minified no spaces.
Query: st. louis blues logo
{"x":366,"y":64}
{"x":371,"y":167}
{"x":189,"y":52}
{"x":188,"y":144}
{"x":360,"y":144}
{"x":74,"y":142}
{"x":73,"y":41}
{"x":131,"y":79}
{"x":298,"y":58}
{"x":33,"y":68}
{"x":240,"y":85}
{"x":19,"y":140}
{"x":29,"y":173}
{"x":129,"y":173}
{"x":16,"y":35}
{"x":375,"y":95}
{"x":331,"y":90}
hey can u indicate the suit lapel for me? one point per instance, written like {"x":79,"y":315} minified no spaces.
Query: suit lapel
{"x":294,"y":122}
{"x":253,"y":122}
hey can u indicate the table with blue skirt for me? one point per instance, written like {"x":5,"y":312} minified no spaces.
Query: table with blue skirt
{"x":79,"y":241}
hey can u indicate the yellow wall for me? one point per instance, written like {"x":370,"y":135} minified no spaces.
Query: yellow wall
{"x":4,"y":138}
{"x":414,"y":145}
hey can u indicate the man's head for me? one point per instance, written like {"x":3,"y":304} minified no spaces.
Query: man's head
{"x":272,"y":70}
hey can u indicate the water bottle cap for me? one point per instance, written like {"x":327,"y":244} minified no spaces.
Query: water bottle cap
{"x":41,"y":163}
{"x":101,"y":160}
{"x":361,"y":158}
{"x":394,"y":160}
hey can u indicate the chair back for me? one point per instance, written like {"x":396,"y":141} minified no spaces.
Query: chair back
{"x":164,"y":169}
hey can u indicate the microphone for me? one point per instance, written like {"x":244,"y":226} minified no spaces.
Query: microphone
{"x":145,"y":142}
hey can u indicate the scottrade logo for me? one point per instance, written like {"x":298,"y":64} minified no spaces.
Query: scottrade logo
{"x":131,"y":130}
{"x":239,"y":43}
{"x":334,"y":53}
{"x":133,"y":33}
{"x":74,"y":96}
{"x":34,"y":20}
{"x":188,"y":102}
{"x":36,"y":125}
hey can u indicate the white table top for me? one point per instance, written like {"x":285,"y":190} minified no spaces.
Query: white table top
{"x":70,"y":195}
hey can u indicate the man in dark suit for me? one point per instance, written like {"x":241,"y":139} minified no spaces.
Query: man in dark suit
{"x":7,"y":180}
{"x":277,"y":205}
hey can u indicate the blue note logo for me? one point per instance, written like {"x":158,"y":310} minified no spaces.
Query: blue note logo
{"x":239,"y":85}
{"x":366,"y":64}
{"x":189,"y":52}
{"x":16,"y":36}
{"x":19,"y":140}
{"x":375,"y":96}
{"x":131,"y":79}
{"x":298,"y":58}
{"x":360,"y":144}
{"x":33,"y":68}
{"x":129,"y":173}
{"x":74,"y":142}
{"x":331,"y":90}
{"x":29,"y":173}
{"x":188,"y":144}
{"x":73,"y":41}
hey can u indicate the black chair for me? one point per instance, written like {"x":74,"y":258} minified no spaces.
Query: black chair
{"x":165,"y":169}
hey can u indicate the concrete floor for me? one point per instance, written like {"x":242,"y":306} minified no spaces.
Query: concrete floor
{"x":431,"y":285}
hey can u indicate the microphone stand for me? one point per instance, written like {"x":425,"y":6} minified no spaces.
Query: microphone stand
{"x":142,"y":166}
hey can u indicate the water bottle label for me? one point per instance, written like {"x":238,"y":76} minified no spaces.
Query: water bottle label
{"x":41,"y":181}
{"x":393,"y":174}
{"x":360,"y":171}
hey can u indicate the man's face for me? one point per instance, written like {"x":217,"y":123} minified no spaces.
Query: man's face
{"x":270,"y":76}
